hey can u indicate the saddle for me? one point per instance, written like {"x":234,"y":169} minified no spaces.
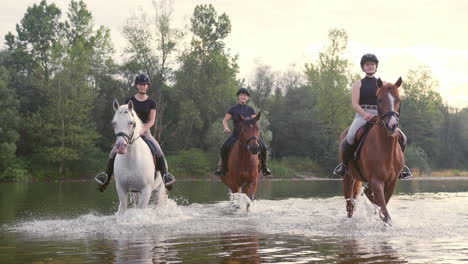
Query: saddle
{"x":361,"y":135}
{"x":225,"y":151}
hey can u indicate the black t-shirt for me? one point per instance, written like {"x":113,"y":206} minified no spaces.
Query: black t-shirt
{"x":142,"y":108}
{"x":368,"y":92}
{"x":235,"y":111}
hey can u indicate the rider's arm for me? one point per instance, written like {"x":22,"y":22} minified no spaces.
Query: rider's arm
{"x":226,"y":119}
{"x":151,"y":119}
{"x":356,"y":92}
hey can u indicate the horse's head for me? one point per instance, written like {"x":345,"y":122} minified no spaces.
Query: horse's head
{"x":388,"y":104}
{"x":250,"y":133}
{"x":126,"y":126}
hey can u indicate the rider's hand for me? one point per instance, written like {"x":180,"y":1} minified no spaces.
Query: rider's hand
{"x":227,"y":130}
{"x":368,"y":117}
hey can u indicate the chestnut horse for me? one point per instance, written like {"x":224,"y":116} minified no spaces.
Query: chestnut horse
{"x":243,"y":163}
{"x":381,"y":158}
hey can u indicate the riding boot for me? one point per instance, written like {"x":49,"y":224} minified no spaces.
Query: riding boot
{"x":219,"y":169}
{"x":104,"y":178}
{"x":406,"y":173}
{"x":263,"y":159}
{"x":167,"y":178}
{"x":347,"y":154}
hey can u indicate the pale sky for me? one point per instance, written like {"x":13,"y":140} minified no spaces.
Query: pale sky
{"x":403,"y":34}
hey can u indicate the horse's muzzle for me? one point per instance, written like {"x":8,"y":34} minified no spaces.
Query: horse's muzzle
{"x":121,"y":147}
{"x":254,"y":149}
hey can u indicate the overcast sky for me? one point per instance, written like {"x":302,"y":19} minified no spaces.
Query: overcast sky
{"x":403,"y":34}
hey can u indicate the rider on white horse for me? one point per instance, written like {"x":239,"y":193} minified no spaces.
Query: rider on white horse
{"x":145,"y":108}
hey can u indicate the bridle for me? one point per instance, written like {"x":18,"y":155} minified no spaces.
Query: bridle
{"x":128,"y":138}
{"x":388,"y":114}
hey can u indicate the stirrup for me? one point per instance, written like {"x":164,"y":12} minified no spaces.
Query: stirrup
{"x":266,"y":171}
{"x":340,"y":170}
{"x":406,"y":173}
{"x":168,"y":179}
{"x":101,"y":178}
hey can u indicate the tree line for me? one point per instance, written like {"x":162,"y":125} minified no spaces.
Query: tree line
{"x":58,"y":78}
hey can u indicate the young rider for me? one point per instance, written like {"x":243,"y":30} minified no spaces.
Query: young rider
{"x":233,"y":113}
{"x":145,"y":108}
{"x":364,"y":102}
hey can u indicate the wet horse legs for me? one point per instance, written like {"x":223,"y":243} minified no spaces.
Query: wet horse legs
{"x":377,"y":189}
{"x":348,"y":185}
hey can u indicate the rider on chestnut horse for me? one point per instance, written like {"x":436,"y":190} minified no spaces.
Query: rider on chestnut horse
{"x":246,"y":111}
{"x":364,"y":101}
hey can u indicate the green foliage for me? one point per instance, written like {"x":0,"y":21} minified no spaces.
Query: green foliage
{"x":9,"y":125}
{"x":192,"y":163}
{"x":416,"y":158}
{"x":58,"y":80}
{"x":205,"y":83}
{"x":329,"y":79}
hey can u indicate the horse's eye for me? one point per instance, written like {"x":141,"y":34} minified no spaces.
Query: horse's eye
{"x":131,"y":123}
{"x":114,"y":124}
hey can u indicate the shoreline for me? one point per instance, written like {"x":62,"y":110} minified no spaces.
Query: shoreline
{"x":262,"y":178}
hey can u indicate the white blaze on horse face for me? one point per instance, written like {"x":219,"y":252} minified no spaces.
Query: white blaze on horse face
{"x":393,"y":122}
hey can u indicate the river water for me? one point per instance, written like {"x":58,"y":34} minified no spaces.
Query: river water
{"x":290,"y":222}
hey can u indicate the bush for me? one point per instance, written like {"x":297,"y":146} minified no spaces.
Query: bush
{"x":192,"y":163}
{"x":15,"y":172}
{"x":301,"y":164}
{"x":279,"y":170}
{"x":417,"y":158}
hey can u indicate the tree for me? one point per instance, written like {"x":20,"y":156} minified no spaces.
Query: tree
{"x":151,"y":45}
{"x":34,"y":53}
{"x":10,"y":168}
{"x":206,"y":83}
{"x":420,"y":110}
{"x":38,"y":34}
{"x":329,"y":81}
{"x":263,"y":83}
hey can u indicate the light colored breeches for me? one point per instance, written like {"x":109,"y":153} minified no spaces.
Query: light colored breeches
{"x":358,"y":122}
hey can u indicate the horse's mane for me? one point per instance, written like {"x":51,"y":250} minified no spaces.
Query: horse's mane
{"x":123,"y":109}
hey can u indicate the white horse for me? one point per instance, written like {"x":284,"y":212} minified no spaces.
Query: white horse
{"x":134,"y":168}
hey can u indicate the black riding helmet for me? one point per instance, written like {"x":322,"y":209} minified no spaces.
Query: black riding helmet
{"x":369,"y":57}
{"x":142,"y":79}
{"x":244,"y":91}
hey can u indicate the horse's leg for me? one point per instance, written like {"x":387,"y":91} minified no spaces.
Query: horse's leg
{"x":123,"y":198}
{"x":357,"y":188}
{"x":348,"y":188}
{"x":389,"y":189}
{"x":379,"y":198}
{"x":370,"y":195}
{"x":144,"y":198}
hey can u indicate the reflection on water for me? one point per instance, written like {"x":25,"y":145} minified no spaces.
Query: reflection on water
{"x":291,"y":222}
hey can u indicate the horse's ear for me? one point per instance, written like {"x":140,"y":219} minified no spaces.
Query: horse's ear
{"x":130,"y":105}
{"x":115,"y":104}
{"x":257,"y":117}
{"x":379,"y":83}
{"x":398,"y":83}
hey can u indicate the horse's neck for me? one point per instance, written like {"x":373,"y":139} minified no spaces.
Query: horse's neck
{"x":385,"y":141}
{"x":134,"y":150}
{"x":243,"y":152}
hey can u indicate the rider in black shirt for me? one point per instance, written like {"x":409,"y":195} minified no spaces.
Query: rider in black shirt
{"x":246,"y":111}
{"x":145,"y":108}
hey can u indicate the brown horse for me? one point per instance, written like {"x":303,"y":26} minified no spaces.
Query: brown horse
{"x":243,"y":163}
{"x":381,"y":158}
